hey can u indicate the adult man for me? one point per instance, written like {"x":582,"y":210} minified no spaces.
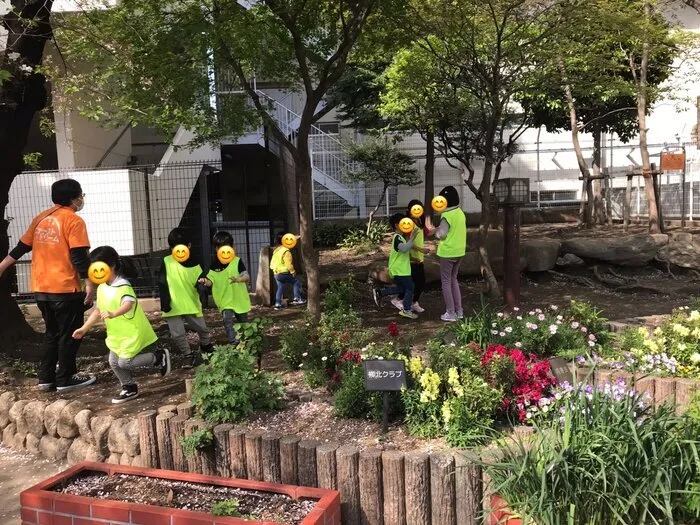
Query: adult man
{"x":59,"y":242}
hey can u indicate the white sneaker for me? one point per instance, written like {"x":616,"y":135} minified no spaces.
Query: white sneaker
{"x":459,"y":315}
{"x":418,"y":308}
{"x":448,"y":317}
{"x":398,"y":303}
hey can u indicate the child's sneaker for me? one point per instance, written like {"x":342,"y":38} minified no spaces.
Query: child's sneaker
{"x":377,"y":296}
{"x":278,"y":306}
{"x":298,"y":301}
{"x":188,"y":360}
{"x":448,"y":317}
{"x":398,"y":303}
{"x":75,"y":382}
{"x":407,"y":314}
{"x":459,"y":315}
{"x":128,"y":393}
{"x":417,"y":308}
{"x":163,"y":362}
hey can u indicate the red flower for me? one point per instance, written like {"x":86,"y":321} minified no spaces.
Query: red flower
{"x":393,"y":329}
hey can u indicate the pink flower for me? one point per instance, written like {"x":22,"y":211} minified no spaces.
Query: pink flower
{"x":584,"y":329}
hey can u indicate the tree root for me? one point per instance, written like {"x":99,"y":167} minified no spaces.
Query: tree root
{"x":583,"y":281}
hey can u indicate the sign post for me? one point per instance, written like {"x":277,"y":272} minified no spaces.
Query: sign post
{"x":385,"y":375}
{"x":673,"y":159}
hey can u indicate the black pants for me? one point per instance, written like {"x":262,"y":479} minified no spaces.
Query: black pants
{"x":61,"y":318}
{"x":418,"y":276}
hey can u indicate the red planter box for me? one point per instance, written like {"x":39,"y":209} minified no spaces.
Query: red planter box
{"x":500,"y":514}
{"x":41,"y":506}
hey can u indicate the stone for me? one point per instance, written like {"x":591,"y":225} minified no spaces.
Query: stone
{"x":18,"y":442}
{"x":471,"y":265}
{"x":67,"y":427}
{"x":82,"y":419}
{"x":494,"y":243}
{"x":4,"y":419}
{"x":8,"y":435}
{"x":55,"y":449}
{"x":674,"y":237}
{"x":17,"y":416}
{"x":661,"y":239}
{"x":7,"y":399}
{"x":132,"y":445}
{"x":51,"y":415}
{"x":569,"y":259}
{"x":681,"y":253}
{"x":33,"y":444}
{"x":99,"y":427}
{"x":34,"y":417}
{"x":116,"y":439}
{"x":125,"y":460}
{"x":541,"y":254}
{"x":83,"y":450}
{"x":633,"y":250}
{"x":137,"y":461}
{"x":432,"y":270}
{"x":114,"y":459}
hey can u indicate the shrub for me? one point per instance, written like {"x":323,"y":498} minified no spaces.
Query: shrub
{"x":446,"y":356}
{"x":295,"y":341}
{"x":423,"y":416}
{"x":476,"y":329}
{"x":603,"y":460}
{"x":329,"y":235}
{"x":228,"y":387}
{"x":359,"y":238}
{"x":251,"y":336}
{"x":340,"y":295}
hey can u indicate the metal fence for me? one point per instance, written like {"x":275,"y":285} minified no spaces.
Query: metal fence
{"x":133,"y":209}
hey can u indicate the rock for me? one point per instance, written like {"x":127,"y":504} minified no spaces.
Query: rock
{"x":673,"y":236}
{"x":117,"y":435}
{"x":67,"y":427}
{"x":125,"y":460}
{"x":82,"y":419}
{"x":8,"y":435}
{"x":33,"y":444}
{"x":137,"y":461}
{"x":541,"y":254}
{"x":114,"y":459}
{"x":4,"y":419}
{"x":55,"y":449}
{"x":471,"y":265}
{"x":494,"y":243}
{"x":132,"y":445}
{"x":51,"y":415}
{"x":18,"y":442}
{"x":17,"y":416}
{"x":633,"y":250}
{"x":661,"y":239}
{"x":82,"y":450}
{"x":100,"y":432}
{"x":569,"y":259}
{"x":7,"y":399}
{"x":432,"y":270}
{"x":34,"y":417}
{"x":168,"y":409}
{"x":681,"y":253}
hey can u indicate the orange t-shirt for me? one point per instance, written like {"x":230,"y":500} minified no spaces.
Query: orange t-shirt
{"x":52,"y":235}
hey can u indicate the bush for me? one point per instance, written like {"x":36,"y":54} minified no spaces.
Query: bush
{"x":445,"y":356}
{"x":475,"y":329}
{"x":295,"y":342}
{"x":251,"y":336}
{"x":329,"y":235}
{"x":358,"y":238}
{"x":340,"y":295}
{"x":603,"y":459}
{"x":198,"y":440}
{"x":228,"y":387}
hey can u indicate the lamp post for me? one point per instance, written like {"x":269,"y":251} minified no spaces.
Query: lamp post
{"x":511,"y":194}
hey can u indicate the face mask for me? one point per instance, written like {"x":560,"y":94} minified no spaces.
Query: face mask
{"x":79,"y":203}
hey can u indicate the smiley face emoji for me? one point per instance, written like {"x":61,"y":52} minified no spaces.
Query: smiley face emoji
{"x":416,"y":211}
{"x":406,"y":225}
{"x":225,"y":254}
{"x":439,"y":203}
{"x":181,"y":253}
{"x":289,"y":240}
{"x":99,"y":272}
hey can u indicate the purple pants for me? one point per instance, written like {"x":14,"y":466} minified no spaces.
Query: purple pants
{"x":449,"y":268}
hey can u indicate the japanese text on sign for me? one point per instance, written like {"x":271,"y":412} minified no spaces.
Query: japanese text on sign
{"x":385,"y":375}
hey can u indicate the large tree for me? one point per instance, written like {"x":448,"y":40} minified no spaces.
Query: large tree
{"x":152,"y":62}
{"x":25,"y":30}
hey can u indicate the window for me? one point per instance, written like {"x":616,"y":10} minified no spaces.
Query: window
{"x":331,"y":128}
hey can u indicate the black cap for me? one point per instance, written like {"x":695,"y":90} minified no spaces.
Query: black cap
{"x":64,"y":191}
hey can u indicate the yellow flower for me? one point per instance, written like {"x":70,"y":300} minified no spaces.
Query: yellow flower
{"x":694,"y":315}
{"x":415,"y":366}
{"x":446,"y":413}
{"x":430,"y":382}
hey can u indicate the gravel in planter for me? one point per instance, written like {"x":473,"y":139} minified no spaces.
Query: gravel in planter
{"x":262,"y":506}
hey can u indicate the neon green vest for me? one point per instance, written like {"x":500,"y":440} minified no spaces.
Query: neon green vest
{"x":455,"y":244}
{"x":184,"y":299}
{"x":399,"y":262}
{"x":418,"y":242}
{"x":127,"y":334}
{"x":277,"y":262}
{"x":228,"y":295}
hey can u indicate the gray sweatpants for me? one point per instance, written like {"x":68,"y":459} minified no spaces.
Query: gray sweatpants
{"x":123,"y":368}
{"x":178,"y":332}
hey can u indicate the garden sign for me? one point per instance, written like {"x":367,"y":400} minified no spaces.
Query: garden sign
{"x":385,"y":375}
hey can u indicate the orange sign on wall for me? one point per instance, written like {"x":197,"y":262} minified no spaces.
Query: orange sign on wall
{"x":672,"y":161}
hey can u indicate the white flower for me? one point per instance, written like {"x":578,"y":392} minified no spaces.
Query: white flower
{"x":324,"y":358}
{"x":541,"y":317}
{"x":516,"y":309}
{"x":591,"y":343}
{"x":301,"y":364}
{"x":554,"y":307}
{"x":560,"y":318}
{"x":26,"y":69}
{"x":574,"y":325}
{"x":500,"y":314}
{"x":508,"y":329}
{"x":380,"y":358}
{"x":502,"y":334}
{"x":494,"y":325}
{"x":519,"y":318}
{"x":305,"y":354}
{"x":494,"y":332}
{"x":553,"y":329}
{"x":11,"y":56}
{"x":695,"y":358}
{"x":518,"y":345}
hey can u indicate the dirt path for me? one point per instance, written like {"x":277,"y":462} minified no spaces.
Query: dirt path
{"x":17,"y":473}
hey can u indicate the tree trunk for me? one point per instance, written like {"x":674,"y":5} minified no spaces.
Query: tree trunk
{"x":429,"y":171}
{"x":484,"y":221}
{"x":306,"y":219}
{"x":643,"y":145}
{"x":20,"y":98}
{"x":598,"y":210}
{"x":376,"y":209}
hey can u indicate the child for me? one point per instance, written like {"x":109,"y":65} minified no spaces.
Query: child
{"x":228,"y":287}
{"x":452,"y":233}
{"x":128,"y":329}
{"x":179,"y":299}
{"x":283,"y":269}
{"x":418,"y":252}
{"x":400,"y":269}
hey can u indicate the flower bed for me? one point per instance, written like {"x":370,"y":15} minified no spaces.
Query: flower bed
{"x":54,"y":500}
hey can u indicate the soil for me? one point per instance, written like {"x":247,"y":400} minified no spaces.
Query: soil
{"x":314,"y":419}
{"x":198,"y":497}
